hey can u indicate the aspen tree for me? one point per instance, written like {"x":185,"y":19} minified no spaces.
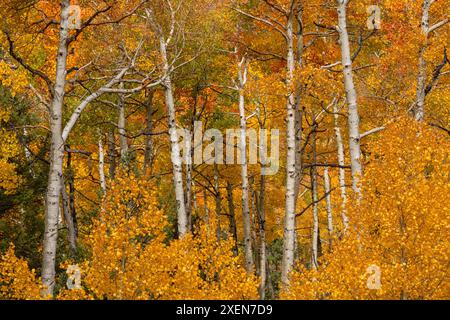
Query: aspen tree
{"x":351,"y":95}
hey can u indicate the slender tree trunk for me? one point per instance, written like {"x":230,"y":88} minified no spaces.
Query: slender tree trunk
{"x":121,"y":126}
{"x":315,"y":230}
{"x":148,"y":154}
{"x":232,"y":217}
{"x":194,"y":204}
{"x":56,"y":158}
{"x":242,"y":74}
{"x":262,"y":239}
{"x":174,"y":144}
{"x":189,"y":169}
{"x":419,"y":108}
{"x":262,"y":217}
{"x":298,"y":109}
{"x":254,"y":216}
{"x":353,"y":115}
{"x":341,"y":162}
{"x":189,"y":194}
{"x":327,"y":186}
{"x":101,"y":166}
{"x":71,"y":182}
{"x":291,"y":174}
{"x":255,"y":230}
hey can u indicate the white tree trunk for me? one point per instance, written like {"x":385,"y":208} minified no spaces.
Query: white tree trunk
{"x":56,"y":158}
{"x":327,"y":187}
{"x":189,"y":195}
{"x":315,"y":230}
{"x":174,"y":144}
{"x":291,"y":174}
{"x":101,"y":166}
{"x":242,"y":75}
{"x":298,"y":110}
{"x":341,"y":162}
{"x":419,"y":111}
{"x":262,"y":238}
{"x":353,"y":115}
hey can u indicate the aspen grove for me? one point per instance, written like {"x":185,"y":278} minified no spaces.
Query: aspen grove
{"x":335,"y":118}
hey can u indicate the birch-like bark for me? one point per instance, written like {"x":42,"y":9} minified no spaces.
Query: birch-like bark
{"x":353,"y":115}
{"x":101,"y":166}
{"x":194,"y":204}
{"x":176,"y":160}
{"x":341,"y":162}
{"x":174,"y":143}
{"x":182,"y":219}
{"x":315,"y":230}
{"x":298,"y":109}
{"x":56,"y":158}
{"x":291,"y":174}
{"x":262,"y":238}
{"x":189,"y":194}
{"x":255,"y":230}
{"x":426,"y":29}
{"x":242,"y":77}
{"x":262,"y":215}
{"x":327,"y":187}
{"x":422,"y":71}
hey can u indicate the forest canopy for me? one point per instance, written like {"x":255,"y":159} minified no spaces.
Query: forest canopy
{"x":260,"y":149}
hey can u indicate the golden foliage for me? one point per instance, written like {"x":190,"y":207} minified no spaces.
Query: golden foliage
{"x":17,"y":281}
{"x":131,"y":259}
{"x":401,"y":225}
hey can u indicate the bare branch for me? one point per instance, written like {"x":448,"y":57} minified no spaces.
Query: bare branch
{"x":266,"y":22}
{"x":372,"y":131}
{"x":29,"y":68}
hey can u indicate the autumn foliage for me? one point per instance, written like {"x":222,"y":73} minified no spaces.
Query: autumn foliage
{"x":397,"y":226}
{"x":105,"y":170}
